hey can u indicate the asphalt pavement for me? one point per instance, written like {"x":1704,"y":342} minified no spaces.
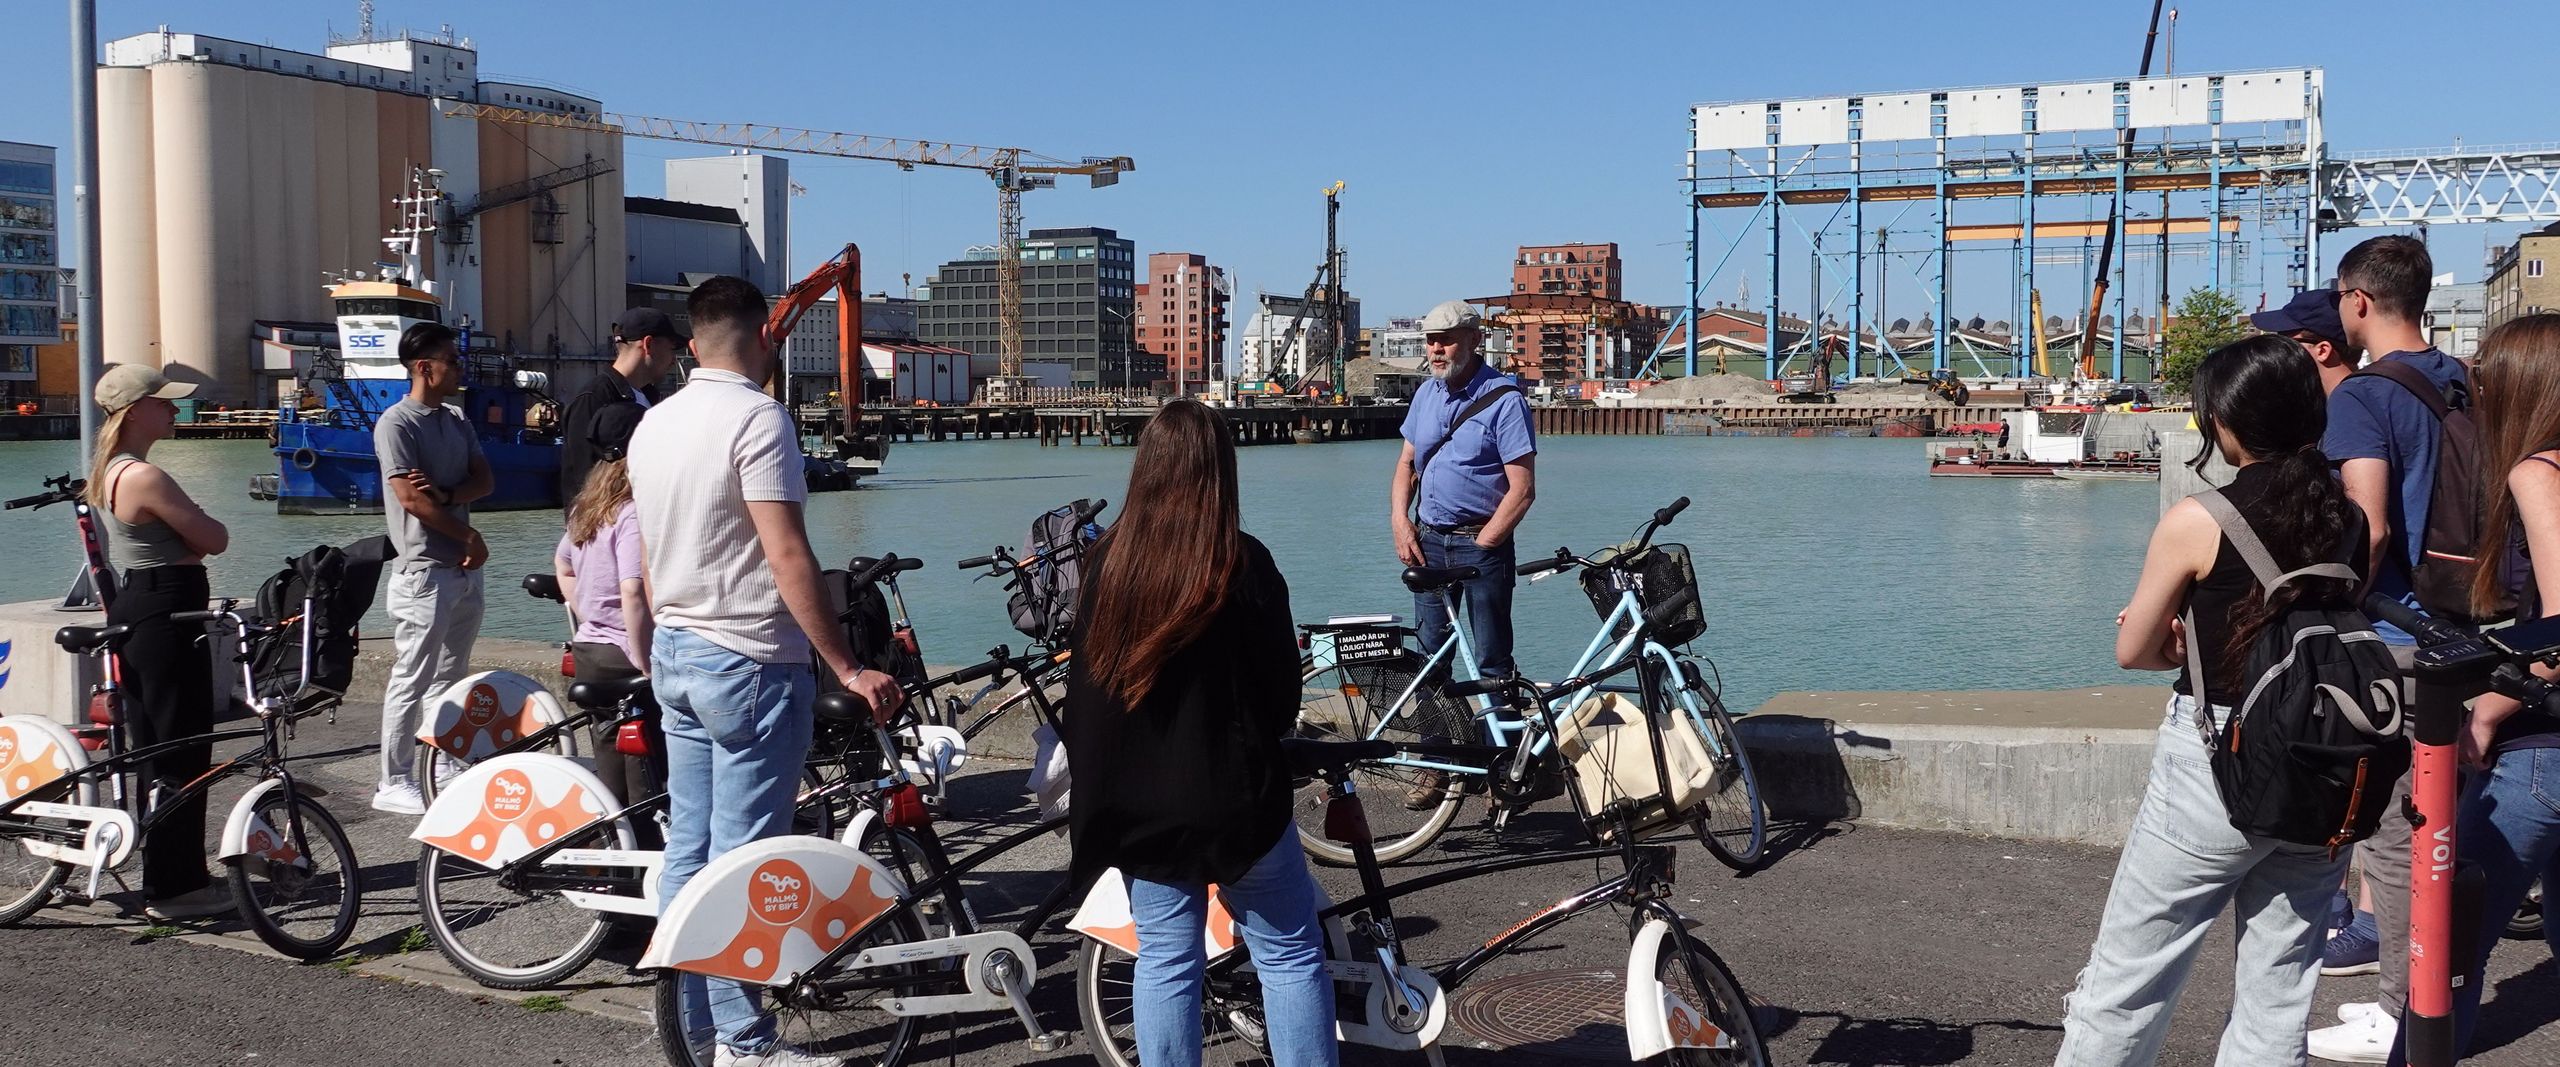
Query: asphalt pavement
{"x":1860,"y":946}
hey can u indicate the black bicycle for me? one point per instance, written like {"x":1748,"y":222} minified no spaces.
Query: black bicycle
{"x":293,"y":876}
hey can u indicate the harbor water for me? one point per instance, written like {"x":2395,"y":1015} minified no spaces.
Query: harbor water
{"x":1825,"y":563}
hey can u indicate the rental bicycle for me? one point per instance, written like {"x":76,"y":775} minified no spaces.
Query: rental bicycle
{"x":1037,"y":597}
{"x":1363,"y":681}
{"x":293,"y":876}
{"x":1682,"y":1004}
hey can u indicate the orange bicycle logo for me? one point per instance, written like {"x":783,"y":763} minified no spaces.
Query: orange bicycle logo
{"x":778,"y":893}
{"x":8,"y":747}
{"x":480,"y":707}
{"x":510,"y":795}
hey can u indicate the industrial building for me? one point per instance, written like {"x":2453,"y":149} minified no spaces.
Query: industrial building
{"x":30,"y":253}
{"x":234,"y":178}
{"x":1079,"y":295}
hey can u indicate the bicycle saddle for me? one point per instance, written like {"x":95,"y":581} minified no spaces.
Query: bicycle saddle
{"x":85,"y":640}
{"x":1426,"y":579}
{"x":606,"y":694}
{"x":842,"y":709}
{"x":1309,"y":756}
{"x":543,"y":585}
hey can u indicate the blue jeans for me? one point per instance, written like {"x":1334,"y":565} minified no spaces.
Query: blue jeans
{"x":2510,"y":827}
{"x":2182,"y":866}
{"x":1488,"y":599}
{"x":737,"y":736}
{"x":1276,"y":902}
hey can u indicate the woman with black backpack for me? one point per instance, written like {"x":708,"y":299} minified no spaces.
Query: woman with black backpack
{"x":2510,"y":820}
{"x":2259,"y":403}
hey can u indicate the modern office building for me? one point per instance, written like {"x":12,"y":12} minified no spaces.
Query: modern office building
{"x":234,"y":177}
{"x":1079,"y":295}
{"x":30,"y":257}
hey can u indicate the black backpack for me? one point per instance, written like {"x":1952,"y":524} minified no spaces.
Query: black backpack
{"x":1043,"y":604}
{"x":863,"y":613}
{"x":329,"y":589}
{"x":2312,"y":750}
{"x":2449,"y":550}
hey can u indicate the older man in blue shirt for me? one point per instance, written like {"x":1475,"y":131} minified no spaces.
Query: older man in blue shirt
{"x":1464,"y":481}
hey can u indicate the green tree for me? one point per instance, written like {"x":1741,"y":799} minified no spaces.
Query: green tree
{"x":2206,"y":320}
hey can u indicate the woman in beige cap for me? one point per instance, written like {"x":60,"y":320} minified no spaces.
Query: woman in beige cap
{"x":157,"y":539}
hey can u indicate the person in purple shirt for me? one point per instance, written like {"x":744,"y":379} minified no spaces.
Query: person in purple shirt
{"x":1464,"y":481}
{"x":603,"y":577}
{"x":2383,"y":439}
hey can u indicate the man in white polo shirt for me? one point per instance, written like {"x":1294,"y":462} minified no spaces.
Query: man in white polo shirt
{"x":716,"y":473}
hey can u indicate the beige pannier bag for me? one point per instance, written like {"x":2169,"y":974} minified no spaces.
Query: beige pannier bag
{"x":1605,"y":741}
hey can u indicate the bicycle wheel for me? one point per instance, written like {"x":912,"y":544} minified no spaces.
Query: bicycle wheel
{"x":1735,"y":823}
{"x":1694,"y":978}
{"x":27,"y":881}
{"x":508,"y":938}
{"x":307,"y":908}
{"x":1231,"y":1027}
{"x":1408,"y":807}
{"x":846,"y":1023}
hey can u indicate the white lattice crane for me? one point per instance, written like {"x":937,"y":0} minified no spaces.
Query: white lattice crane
{"x":1014,"y":170}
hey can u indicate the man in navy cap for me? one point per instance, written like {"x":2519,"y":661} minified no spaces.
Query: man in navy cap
{"x":2311,"y":320}
{"x":645,"y":346}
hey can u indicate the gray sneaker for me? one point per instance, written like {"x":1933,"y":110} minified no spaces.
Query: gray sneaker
{"x":202,"y":903}
{"x":780,"y":1055}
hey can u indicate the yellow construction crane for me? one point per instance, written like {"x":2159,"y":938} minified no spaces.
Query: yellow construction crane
{"x":1014,"y":171}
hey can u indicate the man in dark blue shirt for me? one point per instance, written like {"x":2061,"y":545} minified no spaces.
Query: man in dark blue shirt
{"x":1473,"y":470}
{"x":2383,"y":439}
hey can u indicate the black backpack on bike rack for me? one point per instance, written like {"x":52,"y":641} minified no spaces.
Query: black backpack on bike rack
{"x":1043,"y":604}
{"x":318,"y":600}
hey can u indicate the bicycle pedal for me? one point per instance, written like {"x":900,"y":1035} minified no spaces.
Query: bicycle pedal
{"x":1050,"y":1041}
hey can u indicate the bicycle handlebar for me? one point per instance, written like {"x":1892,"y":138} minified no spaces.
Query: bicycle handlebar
{"x":1086,"y":510}
{"x":1664,"y":613}
{"x":1663,"y":516}
{"x":998,"y":658}
{"x":59,"y":489}
{"x":885,"y":565}
{"x":1561,"y":560}
{"x":2428,"y":631}
{"x":974,"y":562}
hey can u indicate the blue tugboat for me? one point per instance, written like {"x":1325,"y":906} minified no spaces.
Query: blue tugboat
{"x":324,"y":431}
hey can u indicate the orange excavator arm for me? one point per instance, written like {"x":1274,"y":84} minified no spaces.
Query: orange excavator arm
{"x":842,"y":275}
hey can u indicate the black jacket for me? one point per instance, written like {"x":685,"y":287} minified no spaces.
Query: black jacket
{"x":578,"y":419}
{"x":1190,"y":787}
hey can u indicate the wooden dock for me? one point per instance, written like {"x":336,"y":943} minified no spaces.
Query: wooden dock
{"x":1282,"y":423}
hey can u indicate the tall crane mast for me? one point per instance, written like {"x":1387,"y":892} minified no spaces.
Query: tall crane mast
{"x":1015,"y":171}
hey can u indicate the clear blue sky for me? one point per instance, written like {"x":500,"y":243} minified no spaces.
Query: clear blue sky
{"x":1463,"y":129}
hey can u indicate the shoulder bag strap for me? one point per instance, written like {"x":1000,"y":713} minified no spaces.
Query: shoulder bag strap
{"x":2411,"y":379}
{"x":1477,"y":407}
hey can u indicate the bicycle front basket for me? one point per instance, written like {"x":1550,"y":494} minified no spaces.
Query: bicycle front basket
{"x":1657,"y":574}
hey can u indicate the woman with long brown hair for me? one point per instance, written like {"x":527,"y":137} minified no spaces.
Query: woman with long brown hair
{"x":1185,"y":678}
{"x":2510,"y":818}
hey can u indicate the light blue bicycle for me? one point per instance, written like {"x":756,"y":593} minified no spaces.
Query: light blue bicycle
{"x":1363,"y":679}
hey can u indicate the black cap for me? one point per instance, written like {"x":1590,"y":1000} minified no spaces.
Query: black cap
{"x":615,"y":424}
{"x":645,"y":322}
{"x":2312,"y":311}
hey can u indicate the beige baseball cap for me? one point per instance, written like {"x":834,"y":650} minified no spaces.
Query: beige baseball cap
{"x":125,"y":384}
{"x":1451,"y":315}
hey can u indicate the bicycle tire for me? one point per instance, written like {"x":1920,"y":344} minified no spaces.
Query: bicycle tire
{"x":1699,"y":978}
{"x":1345,"y":707}
{"x":1229,"y":1026}
{"x":474,"y":959}
{"x":895,"y":1034}
{"x":270,"y":895}
{"x":1735,"y":824}
{"x":38,"y":876}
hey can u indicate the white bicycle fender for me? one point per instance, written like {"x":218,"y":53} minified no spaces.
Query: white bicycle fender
{"x":245,"y":834}
{"x":1104,"y":916}
{"x":859,"y":828}
{"x":35,"y":750}
{"x":1657,"y":1019}
{"x":506,"y":806}
{"x":765,"y":911}
{"x":487,"y":711}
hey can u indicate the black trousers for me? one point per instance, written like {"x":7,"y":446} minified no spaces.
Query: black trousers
{"x":633,"y":779}
{"x":167,"y":682}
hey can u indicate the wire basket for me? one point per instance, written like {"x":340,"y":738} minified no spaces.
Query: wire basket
{"x":1657,"y":573}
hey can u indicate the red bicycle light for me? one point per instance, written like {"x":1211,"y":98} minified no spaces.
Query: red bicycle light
{"x":568,"y":664}
{"x":631,"y":739}
{"x":906,"y":807}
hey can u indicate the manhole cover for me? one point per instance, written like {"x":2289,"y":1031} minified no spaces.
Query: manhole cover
{"x":1569,"y":1014}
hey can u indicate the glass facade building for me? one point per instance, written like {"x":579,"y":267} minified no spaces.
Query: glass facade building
{"x":30,"y":259}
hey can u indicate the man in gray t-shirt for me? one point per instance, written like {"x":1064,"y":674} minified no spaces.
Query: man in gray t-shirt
{"x":432,"y":470}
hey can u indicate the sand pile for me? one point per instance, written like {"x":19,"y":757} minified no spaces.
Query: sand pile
{"x":1709,"y":389}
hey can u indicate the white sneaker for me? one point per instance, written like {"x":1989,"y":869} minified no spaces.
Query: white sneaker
{"x":2357,"y":1009}
{"x":399,"y":798}
{"x":780,"y":1055}
{"x":2365,"y":1039}
{"x":201,"y":903}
